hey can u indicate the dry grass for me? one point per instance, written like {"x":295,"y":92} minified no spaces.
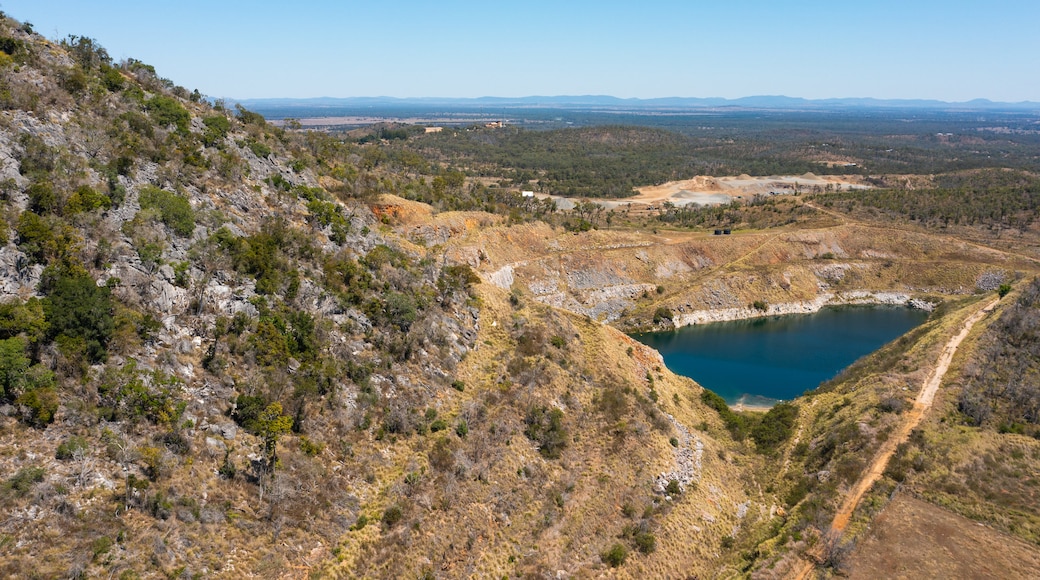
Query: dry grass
{"x":945,"y":546}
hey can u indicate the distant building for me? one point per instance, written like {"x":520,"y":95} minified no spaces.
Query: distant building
{"x":495,"y":125}
{"x":526,"y":194}
{"x":434,"y":129}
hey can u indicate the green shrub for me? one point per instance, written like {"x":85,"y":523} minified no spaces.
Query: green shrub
{"x":545,"y":427}
{"x":78,"y":308}
{"x":227,"y":469}
{"x":166,"y":111}
{"x":661,"y":314}
{"x":438,"y":425}
{"x":43,"y":199}
{"x":270,"y":345}
{"x":392,"y":515}
{"x":259,"y":149}
{"x":760,"y":305}
{"x":85,"y":199}
{"x":38,"y":158}
{"x":400,"y":310}
{"x":181,"y":277}
{"x":309,"y":447}
{"x":13,"y":367}
{"x":173,"y":210}
{"x":40,"y":404}
{"x":124,"y":393}
{"x":159,"y":506}
{"x":101,"y":546}
{"x":462,"y":429}
{"x":645,"y":542}
{"x":249,"y":117}
{"x":456,"y":279}
{"x":458,"y":385}
{"x":26,"y":319}
{"x":24,"y":480}
{"x":217,"y":128}
{"x":36,"y":236}
{"x":775,"y":428}
{"x":673,"y":488}
{"x":247,"y":411}
{"x":12,"y":46}
{"x":615,"y":555}
{"x":150,"y":253}
{"x":737,"y":425}
{"x":112,"y":79}
{"x":1003,"y":290}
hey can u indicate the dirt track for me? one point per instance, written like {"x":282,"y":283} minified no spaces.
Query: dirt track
{"x":888,"y":448}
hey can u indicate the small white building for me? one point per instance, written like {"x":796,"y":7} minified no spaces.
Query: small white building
{"x":526,"y":194}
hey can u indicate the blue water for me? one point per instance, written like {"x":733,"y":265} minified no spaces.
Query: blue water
{"x":763,"y":360}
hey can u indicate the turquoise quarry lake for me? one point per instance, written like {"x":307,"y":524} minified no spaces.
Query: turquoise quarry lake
{"x":763,"y":360}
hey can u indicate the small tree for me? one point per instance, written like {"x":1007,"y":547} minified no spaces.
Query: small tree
{"x":615,"y":556}
{"x":545,"y":427}
{"x":78,"y":308}
{"x":270,"y":425}
{"x":661,"y":314}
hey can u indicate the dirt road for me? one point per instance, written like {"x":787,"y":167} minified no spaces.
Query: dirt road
{"x":888,"y":448}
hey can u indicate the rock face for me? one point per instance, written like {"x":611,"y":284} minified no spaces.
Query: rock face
{"x":503,"y":277}
{"x":808,"y":307}
{"x":606,"y":304}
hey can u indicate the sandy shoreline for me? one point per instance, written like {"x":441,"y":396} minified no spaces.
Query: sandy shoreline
{"x":739,"y":407}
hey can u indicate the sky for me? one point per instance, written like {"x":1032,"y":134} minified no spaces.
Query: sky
{"x":952,"y":50}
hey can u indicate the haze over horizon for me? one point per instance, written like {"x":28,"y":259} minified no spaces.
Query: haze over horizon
{"x":952,"y":51}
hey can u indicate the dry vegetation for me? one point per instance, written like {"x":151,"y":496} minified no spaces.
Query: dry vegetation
{"x":229,"y":349}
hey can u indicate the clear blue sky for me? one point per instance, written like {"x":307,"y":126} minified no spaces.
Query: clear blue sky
{"x":952,"y":50}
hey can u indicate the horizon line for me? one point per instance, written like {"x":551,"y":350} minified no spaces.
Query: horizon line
{"x":976,"y":100}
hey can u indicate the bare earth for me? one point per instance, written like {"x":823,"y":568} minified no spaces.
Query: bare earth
{"x":704,"y":190}
{"x":711,"y":190}
{"x":915,"y":539}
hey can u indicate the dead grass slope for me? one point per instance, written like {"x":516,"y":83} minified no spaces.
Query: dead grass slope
{"x":490,"y":504}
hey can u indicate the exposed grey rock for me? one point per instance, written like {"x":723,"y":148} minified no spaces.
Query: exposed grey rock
{"x":211,"y":516}
{"x":18,"y":277}
{"x":989,"y":281}
{"x":215,"y":444}
{"x":806,"y":307}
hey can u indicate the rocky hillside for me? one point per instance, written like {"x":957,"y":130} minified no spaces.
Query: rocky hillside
{"x":225,"y":351}
{"x":230,"y":349}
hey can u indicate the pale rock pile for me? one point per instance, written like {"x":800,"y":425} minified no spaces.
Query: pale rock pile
{"x":687,"y":459}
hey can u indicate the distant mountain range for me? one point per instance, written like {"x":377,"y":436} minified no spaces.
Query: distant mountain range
{"x":605,"y":101}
